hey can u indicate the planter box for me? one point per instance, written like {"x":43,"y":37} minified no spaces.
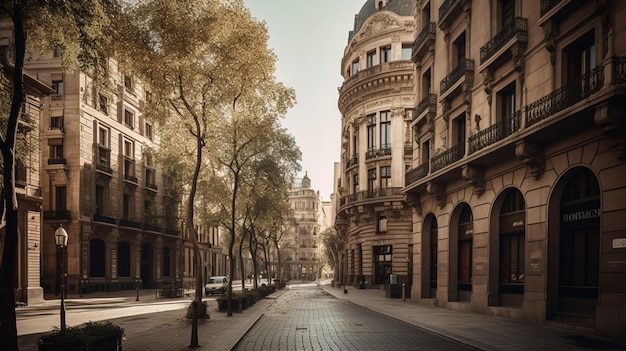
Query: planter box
{"x":109,"y":344}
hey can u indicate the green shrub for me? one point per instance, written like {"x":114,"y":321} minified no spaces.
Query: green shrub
{"x":201,"y":310}
{"x":73,"y":337}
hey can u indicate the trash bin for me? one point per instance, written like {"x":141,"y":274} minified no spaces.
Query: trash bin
{"x":362,"y":282}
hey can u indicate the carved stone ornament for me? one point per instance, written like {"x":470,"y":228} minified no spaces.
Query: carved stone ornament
{"x":438,"y":192}
{"x":532,"y":156}
{"x":476,"y":176}
{"x":413,"y":200}
{"x":378,"y":23}
{"x":551,"y":31}
{"x":487,"y":81}
{"x":610,"y":118}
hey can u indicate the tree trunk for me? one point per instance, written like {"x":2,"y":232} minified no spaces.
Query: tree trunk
{"x":8,"y":324}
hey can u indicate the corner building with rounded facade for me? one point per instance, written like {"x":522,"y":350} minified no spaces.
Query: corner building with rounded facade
{"x":376,"y":101}
{"x":516,"y":181}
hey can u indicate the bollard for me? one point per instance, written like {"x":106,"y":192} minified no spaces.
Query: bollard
{"x":403,"y":292}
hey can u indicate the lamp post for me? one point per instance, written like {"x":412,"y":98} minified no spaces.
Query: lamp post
{"x":60,"y":237}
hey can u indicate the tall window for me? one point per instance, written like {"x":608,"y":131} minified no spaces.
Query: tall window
{"x":355,"y":67}
{"x":425,"y":151}
{"x":57,"y":85}
{"x":407,"y":50}
{"x":103,"y":103}
{"x":426,"y":83}
{"x":506,"y":13}
{"x":149,"y":132}
{"x":466,"y":235}
{"x":97,"y":258}
{"x":506,"y":101}
{"x":128,"y":82}
{"x":371,"y":132}
{"x":371,"y":180}
{"x":127,"y":206}
{"x":458,"y":49}
{"x":103,"y":136}
{"x":372,"y":59}
{"x":381,"y":226}
{"x":385,"y":177}
{"x":385,"y":130}
{"x":355,"y":183}
{"x":434,"y":242}
{"x":167,"y":262}
{"x":580,"y":56}
{"x":60,"y":198}
{"x":123,"y":259}
{"x":512,"y":243}
{"x":385,"y":54}
{"x":56,"y":152}
{"x":100,"y":200}
{"x":129,"y":119}
{"x":129,"y":149}
{"x":458,"y":130}
{"x":56,"y":122}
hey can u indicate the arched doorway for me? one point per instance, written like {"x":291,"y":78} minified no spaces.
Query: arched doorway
{"x":511,"y":249}
{"x":461,"y":254}
{"x":430,"y":238}
{"x":574,"y":247}
{"x":147,"y":262}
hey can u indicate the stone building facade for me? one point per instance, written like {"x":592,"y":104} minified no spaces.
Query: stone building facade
{"x":376,"y":101}
{"x":517,"y":178}
{"x":304,"y":263}
{"x":100,"y":182}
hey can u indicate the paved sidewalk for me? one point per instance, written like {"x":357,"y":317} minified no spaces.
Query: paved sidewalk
{"x":170,"y":331}
{"x":484,"y":332}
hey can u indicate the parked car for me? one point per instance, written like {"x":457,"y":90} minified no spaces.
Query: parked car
{"x":216,"y":285}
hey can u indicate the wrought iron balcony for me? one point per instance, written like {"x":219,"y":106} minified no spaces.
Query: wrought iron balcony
{"x":445,"y":8}
{"x":130,"y":224}
{"x":465,"y":67}
{"x":152,"y":186}
{"x":373,"y":153}
{"x":57,"y":161}
{"x":152,"y":227}
{"x":518,"y":27}
{"x":424,"y":40}
{"x":496,"y":132}
{"x":57,"y":215}
{"x":369,"y":195}
{"x":619,"y":70}
{"x":354,"y":160}
{"x":417,"y":173}
{"x":428,"y":102}
{"x":448,"y":157}
{"x":104,"y":219}
{"x":130,"y":178}
{"x":578,"y":89}
{"x":547,"y":5}
{"x":172,"y":231}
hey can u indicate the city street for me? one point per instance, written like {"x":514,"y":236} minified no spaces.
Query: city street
{"x":308,"y":318}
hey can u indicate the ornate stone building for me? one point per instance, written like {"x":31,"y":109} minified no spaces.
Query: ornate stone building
{"x":376,"y":101}
{"x":100,"y":182}
{"x":304,"y":262}
{"x":517,"y":178}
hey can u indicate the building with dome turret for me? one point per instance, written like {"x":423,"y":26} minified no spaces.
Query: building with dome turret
{"x":376,"y":101}
{"x":304,"y":263}
{"x":514,"y":180}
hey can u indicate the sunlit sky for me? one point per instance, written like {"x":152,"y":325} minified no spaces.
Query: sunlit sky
{"x":308,"y":38}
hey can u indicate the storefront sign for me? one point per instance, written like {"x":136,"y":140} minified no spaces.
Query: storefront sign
{"x":619,"y":243}
{"x":580,"y":215}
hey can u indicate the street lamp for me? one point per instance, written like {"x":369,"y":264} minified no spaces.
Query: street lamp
{"x":60,"y":237}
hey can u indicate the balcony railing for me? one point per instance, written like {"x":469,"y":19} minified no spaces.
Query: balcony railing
{"x":130,"y":178}
{"x":57,"y":161}
{"x":57,"y":214}
{"x":429,"y":101}
{"x":448,"y":157}
{"x":495,"y":132}
{"x":428,"y":32}
{"x":152,"y":186}
{"x":619,"y":70}
{"x":417,"y":173}
{"x":466,"y":66}
{"x":566,"y":96}
{"x":370,"y":194}
{"x":373,"y":153}
{"x":172,"y":231}
{"x":130,"y":224}
{"x":103,"y":219}
{"x":547,"y":5}
{"x":518,"y":26}
{"x":152,"y":227}
{"x":408,"y":149}
{"x":447,"y":5}
{"x":354,"y":160}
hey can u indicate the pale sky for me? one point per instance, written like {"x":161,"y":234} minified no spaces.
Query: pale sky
{"x":309,"y":37}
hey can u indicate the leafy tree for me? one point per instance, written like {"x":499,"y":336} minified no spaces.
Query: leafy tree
{"x":333,"y":245}
{"x":85,"y":32}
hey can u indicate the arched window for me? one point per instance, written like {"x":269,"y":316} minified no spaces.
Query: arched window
{"x":466,"y":236}
{"x":512,"y":244}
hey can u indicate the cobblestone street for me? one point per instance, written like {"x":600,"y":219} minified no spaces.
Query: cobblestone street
{"x":308,"y":318}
